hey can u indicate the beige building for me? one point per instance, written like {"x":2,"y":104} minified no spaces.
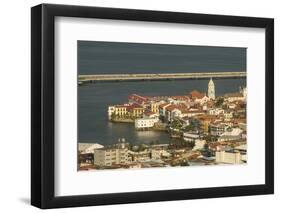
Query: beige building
{"x":228,"y":157}
{"x":120,"y":110}
{"x":111,"y":156}
{"x":154,"y":107}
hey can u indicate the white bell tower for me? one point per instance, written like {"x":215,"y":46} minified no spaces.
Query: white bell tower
{"x":211,"y":90}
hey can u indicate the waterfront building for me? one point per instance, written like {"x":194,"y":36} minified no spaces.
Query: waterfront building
{"x":121,"y":110}
{"x":176,"y":111}
{"x":135,"y":110}
{"x":149,"y":114}
{"x":138,"y":99}
{"x":211,"y":90}
{"x":111,"y":111}
{"x":113,"y":155}
{"x":143,"y":123}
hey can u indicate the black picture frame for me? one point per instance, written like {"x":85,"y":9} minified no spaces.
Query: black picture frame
{"x":43,"y":102}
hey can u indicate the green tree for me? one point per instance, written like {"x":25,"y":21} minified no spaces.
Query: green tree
{"x":219,"y":102}
{"x":176,"y":124}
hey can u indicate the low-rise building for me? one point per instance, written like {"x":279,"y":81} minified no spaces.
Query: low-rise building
{"x":142,"y":123}
{"x":218,"y":129}
{"x":228,"y":115}
{"x":215,"y":111}
{"x":190,"y":137}
{"x":231,"y":97}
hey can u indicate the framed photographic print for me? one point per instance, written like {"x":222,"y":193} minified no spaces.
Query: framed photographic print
{"x":139,"y":106}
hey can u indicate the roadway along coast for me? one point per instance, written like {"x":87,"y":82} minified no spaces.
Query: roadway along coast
{"x":158,"y":76}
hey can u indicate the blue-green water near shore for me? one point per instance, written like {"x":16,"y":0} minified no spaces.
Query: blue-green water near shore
{"x":93,"y":100}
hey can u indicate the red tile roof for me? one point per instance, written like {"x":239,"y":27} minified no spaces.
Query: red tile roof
{"x":197,"y":95}
{"x":137,"y":98}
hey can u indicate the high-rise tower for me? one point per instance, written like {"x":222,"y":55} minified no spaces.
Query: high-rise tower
{"x":211,"y":89}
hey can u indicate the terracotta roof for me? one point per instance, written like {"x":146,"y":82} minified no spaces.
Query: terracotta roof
{"x":237,"y":94}
{"x":180,"y":107}
{"x":149,"y":113}
{"x":180,"y":97}
{"x":171,"y":107}
{"x":121,"y":105}
{"x":163,"y":105}
{"x":196,"y":94}
{"x":134,"y":106}
{"x":138,"y":98}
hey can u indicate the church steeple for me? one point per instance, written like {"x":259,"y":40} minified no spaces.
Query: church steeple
{"x":211,"y":89}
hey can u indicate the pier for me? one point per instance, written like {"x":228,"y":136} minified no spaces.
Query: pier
{"x":158,"y":76}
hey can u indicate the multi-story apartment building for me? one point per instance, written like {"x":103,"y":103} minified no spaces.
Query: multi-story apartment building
{"x":109,"y":156}
{"x":228,"y":157}
{"x":135,"y":110}
{"x":121,"y":110}
{"x":154,"y":107}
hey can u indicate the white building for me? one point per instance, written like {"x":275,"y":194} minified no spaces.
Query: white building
{"x":190,"y":137}
{"x":215,"y":111}
{"x":218,"y":129}
{"x":228,"y":157}
{"x":145,"y":122}
{"x":211,"y":90}
{"x":111,"y":110}
{"x":111,"y":156}
{"x":173,"y":114}
{"x":234,"y":97}
{"x":199,"y":144}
